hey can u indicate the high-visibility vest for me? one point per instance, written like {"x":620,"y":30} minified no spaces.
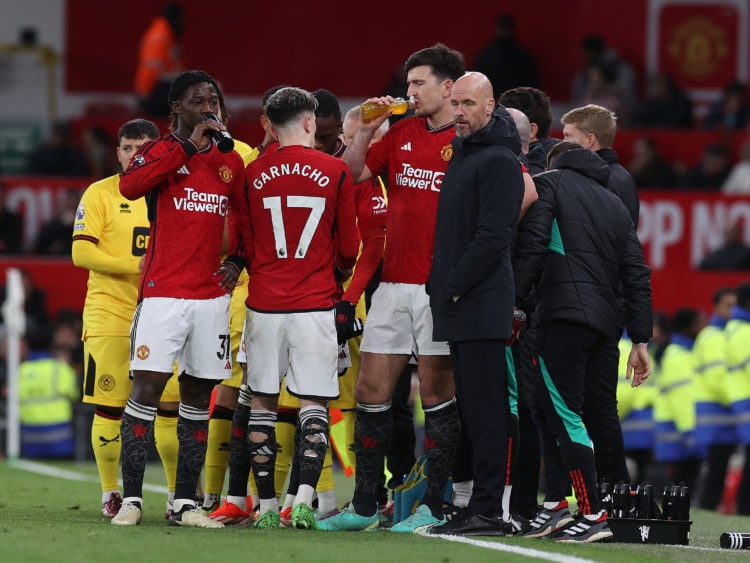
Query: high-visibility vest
{"x":635,"y":404}
{"x":674,"y":406}
{"x":46,"y":389}
{"x":715,"y":421}
{"x":738,"y":374}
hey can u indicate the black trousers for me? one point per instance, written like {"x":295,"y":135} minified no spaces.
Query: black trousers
{"x":480,"y":372}
{"x":577,"y":364}
{"x":523,"y":500}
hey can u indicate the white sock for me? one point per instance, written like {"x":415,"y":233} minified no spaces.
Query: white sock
{"x":326,"y":501}
{"x":240,"y":502}
{"x":506,"y":502}
{"x":255,"y":499}
{"x":304,"y":494}
{"x":107,"y":495}
{"x":551,"y":505}
{"x":593,"y":517}
{"x":267,"y":504}
{"x":288,"y":502}
{"x":180,"y":503}
{"x":210,"y":499}
{"x":462,"y":493}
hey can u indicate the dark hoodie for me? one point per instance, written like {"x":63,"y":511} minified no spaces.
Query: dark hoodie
{"x":622,"y":183}
{"x":537,"y":155}
{"x":579,"y":241}
{"x":471,"y":282}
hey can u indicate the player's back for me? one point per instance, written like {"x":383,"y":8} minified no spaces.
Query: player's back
{"x":293,"y":195}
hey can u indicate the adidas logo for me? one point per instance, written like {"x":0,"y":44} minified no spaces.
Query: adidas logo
{"x":406,"y":147}
{"x":183,"y":170}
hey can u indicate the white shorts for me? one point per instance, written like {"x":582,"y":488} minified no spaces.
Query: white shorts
{"x":301,"y":345}
{"x":195,"y":332}
{"x":400,"y":322}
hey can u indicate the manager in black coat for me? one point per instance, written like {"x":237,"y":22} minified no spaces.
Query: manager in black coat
{"x":578,"y":247}
{"x":471,"y":284}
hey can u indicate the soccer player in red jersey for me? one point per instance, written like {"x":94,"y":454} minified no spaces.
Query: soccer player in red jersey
{"x":297,"y":224}
{"x":183,"y":309}
{"x":415,"y":152}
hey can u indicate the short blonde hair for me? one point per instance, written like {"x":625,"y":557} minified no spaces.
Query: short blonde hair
{"x":594,"y":119}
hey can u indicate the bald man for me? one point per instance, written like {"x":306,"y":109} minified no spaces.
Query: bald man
{"x":524,"y":127}
{"x":471,"y":287}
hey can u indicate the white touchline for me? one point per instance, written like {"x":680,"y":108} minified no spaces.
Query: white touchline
{"x":71,"y":475}
{"x":528,"y":552}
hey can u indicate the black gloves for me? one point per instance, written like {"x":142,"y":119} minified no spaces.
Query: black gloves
{"x":347,"y":325}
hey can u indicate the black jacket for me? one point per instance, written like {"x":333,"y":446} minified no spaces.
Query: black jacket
{"x":622,"y":183}
{"x":479,"y":203}
{"x":579,"y":241}
{"x":537,"y":156}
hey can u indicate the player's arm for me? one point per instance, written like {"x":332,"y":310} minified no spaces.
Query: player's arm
{"x":151,"y":166}
{"x":87,"y":254}
{"x":156,"y":160}
{"x":355,"y":154}
{"x":87,"y":230}
{"x":345,"y":233}
{"x":373,"y":246}
{"x":238,"y":221}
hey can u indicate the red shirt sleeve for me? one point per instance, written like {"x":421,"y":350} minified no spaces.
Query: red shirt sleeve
{"x":347,"y":241}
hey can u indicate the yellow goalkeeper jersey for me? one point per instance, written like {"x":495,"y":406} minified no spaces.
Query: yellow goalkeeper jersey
{"x":110,"y":235}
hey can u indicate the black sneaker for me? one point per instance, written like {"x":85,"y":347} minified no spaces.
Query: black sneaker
{"x":452,"y":511}
{"x":549,"y":520}
{"x":466,"y":523}
{"x":519,"y":525}
{"x":583,"y":530}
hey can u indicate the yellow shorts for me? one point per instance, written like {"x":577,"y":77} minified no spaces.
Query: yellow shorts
{"x":106,"y":372}
{"x":237,"y":311}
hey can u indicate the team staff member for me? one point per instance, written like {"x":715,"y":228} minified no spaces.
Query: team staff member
{"x":415,"y":152}
{"x":296,"y":224}
{"x":183,"y":311}
{"x":471,"y":286}
{"x":578,"y":244}
{"x":110,"y":235}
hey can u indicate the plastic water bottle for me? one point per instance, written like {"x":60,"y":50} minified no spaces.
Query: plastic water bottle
{"x":734,"y":540}
{"x":370,"y":110}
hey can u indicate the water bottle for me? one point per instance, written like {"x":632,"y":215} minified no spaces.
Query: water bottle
{"x":621,"y":500}
{"x":734,"y":540}
{"x":370,"y":110}
{"x":605,"y":495}
{"x":644,"y":499}
{"x":667,"y":503}
{"x":222,"y":139}
{"x":683,"y":503}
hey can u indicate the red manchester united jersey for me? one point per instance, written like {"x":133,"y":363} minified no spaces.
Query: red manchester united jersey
{"x":416,"y":159}
{"x":188,"y":194}
{"x":299,"y":218}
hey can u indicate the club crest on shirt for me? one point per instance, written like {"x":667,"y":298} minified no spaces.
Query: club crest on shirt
{"x":225,"y":173}
{"x":446,"y":153}
{"x":143,"y":352}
